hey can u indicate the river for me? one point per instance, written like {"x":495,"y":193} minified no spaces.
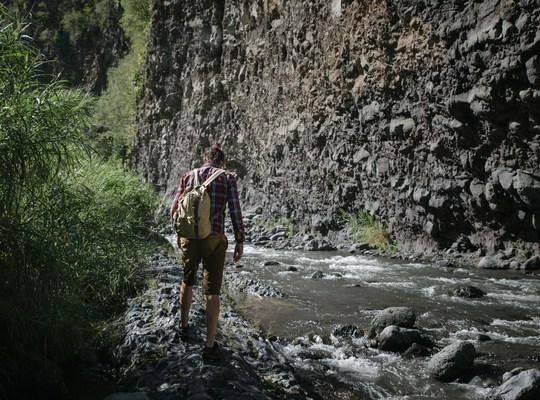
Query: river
{"x":504,"y":325}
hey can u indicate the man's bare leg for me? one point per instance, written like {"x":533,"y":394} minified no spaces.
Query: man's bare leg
{"x":186,"y":295}
{"x":212,"y":315}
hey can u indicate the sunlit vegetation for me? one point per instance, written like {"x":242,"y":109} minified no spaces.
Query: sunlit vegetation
{"x":365,"y":228}
{"x":115,"y":111}
{"x":74,"y":230}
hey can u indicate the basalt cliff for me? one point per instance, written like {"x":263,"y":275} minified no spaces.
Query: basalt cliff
{"x":424,"y":113}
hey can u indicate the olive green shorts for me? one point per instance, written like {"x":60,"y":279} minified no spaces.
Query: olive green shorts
{"x":211,"y":250}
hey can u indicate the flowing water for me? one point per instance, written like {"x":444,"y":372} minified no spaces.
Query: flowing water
{"x":354,"y":288}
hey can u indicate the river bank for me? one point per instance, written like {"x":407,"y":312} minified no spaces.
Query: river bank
{"x":152,"y":362}
{"x":335,"y":360}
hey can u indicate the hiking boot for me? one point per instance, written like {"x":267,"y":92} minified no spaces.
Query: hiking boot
{"x":184,"y":332}
{"x":213,"y":353}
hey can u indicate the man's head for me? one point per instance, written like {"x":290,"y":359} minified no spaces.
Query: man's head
{"x":215,"y":156}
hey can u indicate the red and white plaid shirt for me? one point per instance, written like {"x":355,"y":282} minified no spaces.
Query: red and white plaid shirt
{"x":223,"y":191}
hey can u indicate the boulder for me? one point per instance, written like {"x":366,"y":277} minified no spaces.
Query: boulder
{"x":395,"y":338}
{"x":404,"y":317}
{"x":318,"y":245}
{"x":488,"y":262}
{"x":359,"y":247}
{"x":523,"y":386}
{"x":278,"y":236}
{"x":452,"y":362}
{"x":531,"y":264}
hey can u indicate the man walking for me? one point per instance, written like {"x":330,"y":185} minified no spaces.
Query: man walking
{"x":211,"y":250}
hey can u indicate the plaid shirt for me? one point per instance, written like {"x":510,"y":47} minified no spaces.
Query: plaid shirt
{"x":223,"y":190}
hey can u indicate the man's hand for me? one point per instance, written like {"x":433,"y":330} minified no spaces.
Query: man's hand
{"x":238,"y":251}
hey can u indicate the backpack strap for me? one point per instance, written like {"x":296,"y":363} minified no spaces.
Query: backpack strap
{"x":196,"y":179}
{"x":209,"y":180}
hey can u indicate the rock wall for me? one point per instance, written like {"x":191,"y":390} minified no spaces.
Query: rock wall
{"x":424,"y":113}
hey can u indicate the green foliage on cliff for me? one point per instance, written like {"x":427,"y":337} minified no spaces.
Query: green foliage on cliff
{"x":116,"y":108}
{"x":365,"y":228}
{"x":280,"y":222}
{"x":72,"y":230}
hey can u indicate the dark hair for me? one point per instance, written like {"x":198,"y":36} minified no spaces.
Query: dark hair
{"x":215,"y":154}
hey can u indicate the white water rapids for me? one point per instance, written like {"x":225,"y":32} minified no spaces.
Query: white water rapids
{"x":355,"y":288}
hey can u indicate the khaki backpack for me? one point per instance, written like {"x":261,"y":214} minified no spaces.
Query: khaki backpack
{"x":192,"y":219}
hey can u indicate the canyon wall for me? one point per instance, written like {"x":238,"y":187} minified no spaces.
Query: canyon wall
{"x":424,"y":113}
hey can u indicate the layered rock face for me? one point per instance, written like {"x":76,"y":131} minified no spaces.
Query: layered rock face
{"x":424,"y":113}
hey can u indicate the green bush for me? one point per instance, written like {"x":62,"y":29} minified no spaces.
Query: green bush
{"x":114,"y":213}
{"x":365,"y":228}
{"x":73,"y":231}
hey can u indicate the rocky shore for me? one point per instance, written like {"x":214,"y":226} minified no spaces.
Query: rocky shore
{"x":152,"y":361}
{"x":459,"y":255}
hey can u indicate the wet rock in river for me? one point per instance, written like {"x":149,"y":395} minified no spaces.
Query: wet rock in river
{"x":531,"y":264}
{"x":355,"y":247}
{"x":395,"y":338}
{"x":417,"y":350}
{"x":523,"y":386}
{"x":318,"y":245}
{"x":348,"y":330}
{"x":317,"y":275}
{"x":315,"y":354}
{"x":510,"y":374}
{"x":468,"y":292}
{"x":399,"y":316}
{"x":452,"y":362}
{"x":482,"y":337}
{"x":271,"y":263}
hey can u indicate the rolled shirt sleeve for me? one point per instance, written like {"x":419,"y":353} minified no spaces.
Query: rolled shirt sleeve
{"x":233,"y":201}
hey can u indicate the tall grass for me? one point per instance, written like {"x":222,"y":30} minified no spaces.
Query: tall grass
{"x":365,"y":228}
{"x":72,"y":229}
